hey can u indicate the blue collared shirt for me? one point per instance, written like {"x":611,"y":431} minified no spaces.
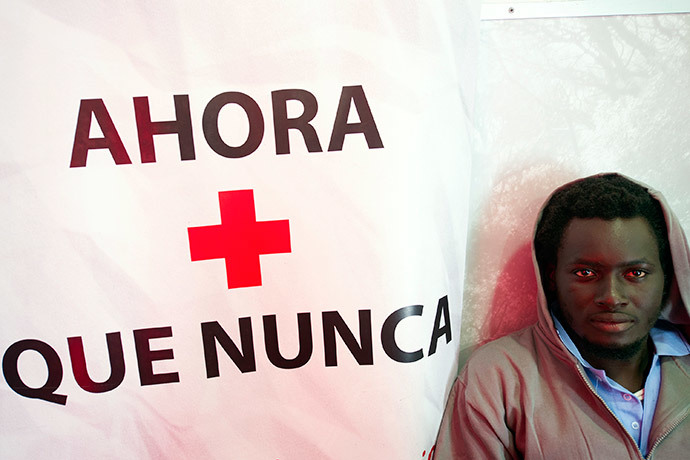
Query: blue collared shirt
{"x":635,"y":415}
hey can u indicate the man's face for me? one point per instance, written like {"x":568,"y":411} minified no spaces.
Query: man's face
{"x":610,"y":284}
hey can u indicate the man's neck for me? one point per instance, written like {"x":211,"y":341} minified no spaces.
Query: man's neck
{"x":630,"y":373}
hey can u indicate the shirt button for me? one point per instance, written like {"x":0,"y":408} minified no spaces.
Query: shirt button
{"x":635,"y":425}
{"x":627,"y":397}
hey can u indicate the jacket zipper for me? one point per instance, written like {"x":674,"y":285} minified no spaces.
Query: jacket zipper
{"x":666,"y":433}
{"x":580,"y":370}
{"x":589,"y":385}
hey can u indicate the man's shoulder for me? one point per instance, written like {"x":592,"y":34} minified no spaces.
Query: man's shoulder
{"x":523,"y":340}
{"x":516,"y":352}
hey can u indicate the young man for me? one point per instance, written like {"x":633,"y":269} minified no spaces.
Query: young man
{"x":605,"y":373}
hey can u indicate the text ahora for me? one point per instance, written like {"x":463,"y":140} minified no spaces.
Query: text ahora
{"x":182,"y":126}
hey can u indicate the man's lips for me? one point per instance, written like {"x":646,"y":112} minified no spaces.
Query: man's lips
{"x":612,"y":322}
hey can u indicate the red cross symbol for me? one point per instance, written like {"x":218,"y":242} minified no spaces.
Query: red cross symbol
{"x":239,"y":239}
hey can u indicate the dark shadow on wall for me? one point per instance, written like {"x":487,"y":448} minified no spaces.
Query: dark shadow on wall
{"x":513,"y":306}
{"x":500,"y":294}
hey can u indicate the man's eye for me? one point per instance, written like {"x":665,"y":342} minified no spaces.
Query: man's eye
{"x":636,"y":274}
{"x":584,"y":273}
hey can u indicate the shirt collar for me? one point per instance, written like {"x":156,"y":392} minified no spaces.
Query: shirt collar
{"x":668,"y":341}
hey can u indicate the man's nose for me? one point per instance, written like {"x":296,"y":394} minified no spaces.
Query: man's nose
{"x":611,"y":292}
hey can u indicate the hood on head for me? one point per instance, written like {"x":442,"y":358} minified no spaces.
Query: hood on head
{"x":677,"y":306}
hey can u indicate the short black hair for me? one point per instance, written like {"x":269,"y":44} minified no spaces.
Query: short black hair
{"x":604,"y":196}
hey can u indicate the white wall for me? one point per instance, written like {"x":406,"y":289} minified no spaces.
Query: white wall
{"x":559,"y":99}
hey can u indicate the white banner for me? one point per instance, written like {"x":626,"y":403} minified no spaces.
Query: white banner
{"x":232,"y":232}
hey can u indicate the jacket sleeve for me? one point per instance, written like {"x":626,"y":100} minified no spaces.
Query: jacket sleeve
{"x":474,"y":424}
